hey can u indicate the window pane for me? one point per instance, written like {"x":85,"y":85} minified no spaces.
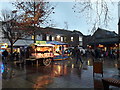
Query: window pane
{"x":71,"y":38}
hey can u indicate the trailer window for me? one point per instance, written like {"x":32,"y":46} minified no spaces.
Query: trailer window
{"x":44,"y":49}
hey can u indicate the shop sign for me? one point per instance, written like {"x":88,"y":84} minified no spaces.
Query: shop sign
{"x":40,"y":55}
{"x":3,"y":45}
{"x":101,"y":46}
{"x":40,"y":42}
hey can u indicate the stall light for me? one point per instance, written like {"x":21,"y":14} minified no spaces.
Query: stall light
{"x":59,"y":69}
{"x":3,"y":45}
{"x":105,"y":48}
{"x":72,"y":65}
{"x":88,"y":46}
{"x":88,"y":63}
{"x":101,"y":45}
{"x":116,"y":45}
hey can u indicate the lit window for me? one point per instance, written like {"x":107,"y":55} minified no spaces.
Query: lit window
{"x":71,"y":38}
{"x":80,"y":38}
{"x":32,"y":37}
{"x":58,"y":36}
{"x":53,"y":38}
{"x":47,"y":38}
{"x":65,"y":39}
{"x":61,"y":39}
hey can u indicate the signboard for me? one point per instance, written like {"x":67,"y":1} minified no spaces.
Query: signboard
{"x":40,"y":42}
{"x":3,"y":45}
{"x":44,"y":55}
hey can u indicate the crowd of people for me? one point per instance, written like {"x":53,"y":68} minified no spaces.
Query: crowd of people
{"x":15,"y":55}
{"x":75,"y":52}
{"x":99,"y":53}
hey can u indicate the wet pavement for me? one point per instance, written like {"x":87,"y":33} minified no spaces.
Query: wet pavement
{"x":60,"y":74}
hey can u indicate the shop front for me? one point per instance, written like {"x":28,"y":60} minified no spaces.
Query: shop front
{"x":110,"y":49}
{"x":3,"y":46}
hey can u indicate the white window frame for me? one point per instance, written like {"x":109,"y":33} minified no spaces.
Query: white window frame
{"x":80,"y":38}
{"x":47,"y":37}
{"x":61,"y":39}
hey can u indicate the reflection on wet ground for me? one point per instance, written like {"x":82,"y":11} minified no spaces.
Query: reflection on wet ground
{"x":60,"y":74}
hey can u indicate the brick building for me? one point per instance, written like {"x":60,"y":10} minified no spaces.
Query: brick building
{"x":73,"y":38}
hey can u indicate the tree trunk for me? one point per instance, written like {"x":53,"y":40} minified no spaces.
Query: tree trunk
{"x":11,"y":47}
{"x":11,"y":53}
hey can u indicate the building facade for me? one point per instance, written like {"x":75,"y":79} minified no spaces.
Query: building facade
{"x":104,"y":39}
{"x":73,"y":38}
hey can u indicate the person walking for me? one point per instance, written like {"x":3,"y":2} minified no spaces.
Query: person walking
{"x":78,"y":56}
{"x":5,"y":54}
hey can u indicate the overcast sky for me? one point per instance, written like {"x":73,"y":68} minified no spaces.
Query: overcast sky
{"x":64,"y":13}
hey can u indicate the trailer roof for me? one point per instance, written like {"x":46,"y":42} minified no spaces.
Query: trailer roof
{"x":45,"y":45}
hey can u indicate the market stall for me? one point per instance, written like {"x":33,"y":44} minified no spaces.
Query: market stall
{"x":60,"y":50}
{"x":3,"y":46}
{"x":40,"y":53}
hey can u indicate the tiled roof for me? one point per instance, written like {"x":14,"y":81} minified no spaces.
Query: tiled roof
{"x":49,"y":30}
{"x":104,"y":33}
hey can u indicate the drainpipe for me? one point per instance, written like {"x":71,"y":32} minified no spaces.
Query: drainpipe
{"x":119,"y":39}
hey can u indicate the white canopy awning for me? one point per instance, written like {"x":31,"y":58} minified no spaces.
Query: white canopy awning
{"x":23,"y":42}
{"x":19,"y":42}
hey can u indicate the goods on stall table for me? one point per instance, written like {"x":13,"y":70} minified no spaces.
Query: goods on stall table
{"x":42,"y":52}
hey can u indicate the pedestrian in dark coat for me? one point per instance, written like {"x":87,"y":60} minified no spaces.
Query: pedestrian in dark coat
{"x":5,"y":54}
{"x":78,"y":56}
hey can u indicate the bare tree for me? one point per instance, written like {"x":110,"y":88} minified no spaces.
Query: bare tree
{"x":34,"y":13}
{"x":97,"y":12}
{"x":11,"y":28}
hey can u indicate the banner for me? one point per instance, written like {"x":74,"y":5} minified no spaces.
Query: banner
{"x":40,"y":42}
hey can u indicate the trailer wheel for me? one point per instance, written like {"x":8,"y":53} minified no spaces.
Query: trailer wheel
{"x":46,"y":61}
